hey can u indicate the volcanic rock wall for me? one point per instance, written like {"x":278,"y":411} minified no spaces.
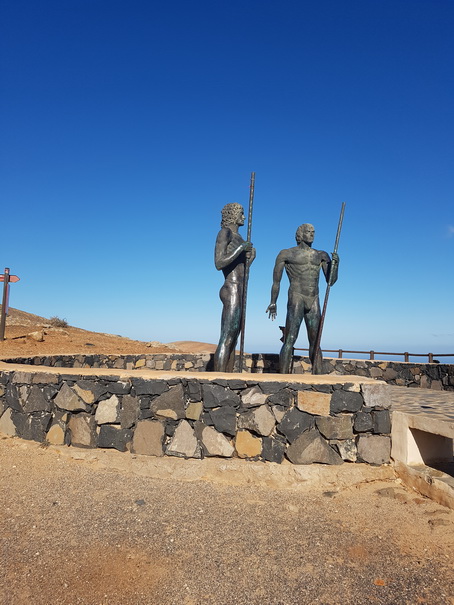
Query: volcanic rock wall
{"x":189,"y":416}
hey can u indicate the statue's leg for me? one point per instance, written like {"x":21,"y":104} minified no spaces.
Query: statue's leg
{"x":295,"y":313}
{"x":312,"y":320}
{"x":224,"y":357}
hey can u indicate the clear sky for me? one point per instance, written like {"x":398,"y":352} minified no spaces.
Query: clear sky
{"x":126,"y":126}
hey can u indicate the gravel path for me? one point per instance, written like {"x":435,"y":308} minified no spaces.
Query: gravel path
{"x":75,"y":533}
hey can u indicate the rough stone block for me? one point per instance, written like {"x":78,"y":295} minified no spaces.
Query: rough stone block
{"x":376,"y":372}
{"x":149,"y":387}
{"x":259,"y":420}
{"x":107,"y":412}
{"x":376,"y":395}
{"x":347,"y":449}
{"x":352,"y":387}
{"x":247,"y":446}
{"x":36,"y":425}
{"x":224,"y":419}
{"x":381,"y":421}
{"x":22,"y":378}
{"x":114,"y":437}
{"x":279,"y":412}
{"x":283,"y":397}
{"x":82,"y":429}
{"x":294,"y":423}
{"x":7,"y":426}
{"x":129,"y":411}
{"x":310,"y":447}
{"x":56,"y":435}
{"x":253,"y":397}
{"x":313,"y":402}
{"x":215,"y":395}
{"x":36,"y":401}
{"x":363,"y":422}
{"x":271,"y":388}
{"x":345,"y":401}
{"x":184,"y":442}
{"x":12,"y":398}
{"x":67,"y":399}
{"x":273,"y":449}
{"x":335,"y":427}
{"x":389,"y":374}
{"x":194,"y":410}
{"x":170,"y":404}
{"x":86,"y":395}
{"x":148,"y":438}
{"x":45,"y":378}
{"x":374,"y":449}
{"x":20,"y":422}
{"x":236,"y":384}
{"x":194,"y":390}
{"x":89,"y":390}
{"x":118,"y":388}
{"x":215,"y":444}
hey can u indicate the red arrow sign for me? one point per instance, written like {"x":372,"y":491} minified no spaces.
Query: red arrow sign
{"x":12,"y":278}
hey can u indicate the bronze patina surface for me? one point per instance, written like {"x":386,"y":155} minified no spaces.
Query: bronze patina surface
{"x":231,"y":255}
{"x":302,"y":265}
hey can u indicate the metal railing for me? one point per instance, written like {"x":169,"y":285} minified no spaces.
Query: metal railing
{"x":372,"y":354}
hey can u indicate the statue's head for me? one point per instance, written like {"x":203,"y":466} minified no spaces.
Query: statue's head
{"x":232,"y":214}
{"x":305,"y":233}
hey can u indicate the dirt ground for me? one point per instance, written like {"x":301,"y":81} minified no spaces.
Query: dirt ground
{"x":24,"y":332}
{"x":75,"y":532}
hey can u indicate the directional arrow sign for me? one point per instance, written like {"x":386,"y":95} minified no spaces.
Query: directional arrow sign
{"x":12,"y":278}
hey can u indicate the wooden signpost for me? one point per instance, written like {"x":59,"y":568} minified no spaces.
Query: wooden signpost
{"x":6,"y":278}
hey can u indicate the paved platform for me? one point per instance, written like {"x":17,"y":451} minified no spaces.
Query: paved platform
{"x":424,"y":402}
{"x":422,"y":441}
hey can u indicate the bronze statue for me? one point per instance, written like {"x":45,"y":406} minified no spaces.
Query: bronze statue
{"x":231,"y":255}
{"x":302,"y":265}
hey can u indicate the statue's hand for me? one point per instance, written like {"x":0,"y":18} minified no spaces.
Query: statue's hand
{"x":250,"y":255}
{"x":334,"y":269}
{"x":272,"y":311}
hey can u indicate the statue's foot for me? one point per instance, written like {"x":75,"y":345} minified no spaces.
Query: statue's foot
{"x":317,"y":366}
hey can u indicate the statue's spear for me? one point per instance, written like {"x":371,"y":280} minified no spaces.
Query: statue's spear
{"x":328,"y":287}
{"x":246,"y":271}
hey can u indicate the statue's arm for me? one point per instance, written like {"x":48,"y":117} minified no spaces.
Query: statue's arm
{"x":330,"y":267}
{"x":222,"y":255}
{"x":277,"y":276}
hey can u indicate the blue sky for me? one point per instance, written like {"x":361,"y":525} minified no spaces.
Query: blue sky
{"x":126,"y":126}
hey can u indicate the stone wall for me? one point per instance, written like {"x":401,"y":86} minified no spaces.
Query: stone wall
{"x":193,"y":416}
{"x":427,"y":375}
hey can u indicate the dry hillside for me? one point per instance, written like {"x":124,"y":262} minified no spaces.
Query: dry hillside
{"x":27,"y":334}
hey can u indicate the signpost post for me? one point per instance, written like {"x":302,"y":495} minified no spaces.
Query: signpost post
{"x":6,"y":278}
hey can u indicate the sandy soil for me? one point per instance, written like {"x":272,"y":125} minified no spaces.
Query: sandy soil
{"x":23,"y":330}
{"x":75,"y":532}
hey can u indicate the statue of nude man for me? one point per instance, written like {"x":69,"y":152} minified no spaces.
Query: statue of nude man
{"x":302,"y":265}
{"x":231,"y":255}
